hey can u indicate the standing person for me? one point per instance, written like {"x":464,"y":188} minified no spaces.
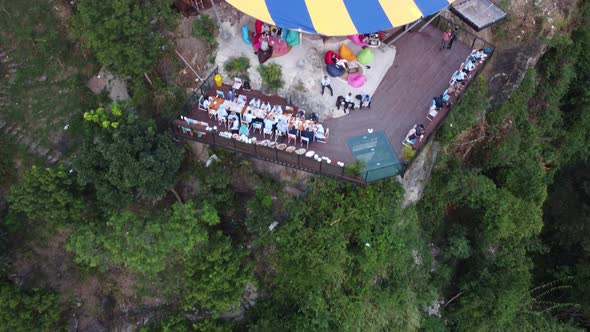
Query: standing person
{"x":454,"y":36}
{"x":446,"y":37}
{"x":326,"y":84}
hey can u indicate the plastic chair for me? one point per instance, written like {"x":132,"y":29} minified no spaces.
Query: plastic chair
{"x":257,"y":125}
{"x":222,"y":120}
{"x":267,"y":131}
{"x":306,"y":139}
{"x":432,"y":113}
{"x":291,"y":137}
{"x":220,"y":94}
{"x":200,"y":106}
{"x":237,"y":83}
{"x":212,"y":114}
{"x":325,"y":138}
{"x":279,"y":134}
{"x":242,"y":99}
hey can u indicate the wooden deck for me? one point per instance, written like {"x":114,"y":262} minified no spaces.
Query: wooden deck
{"x":420,"y":71}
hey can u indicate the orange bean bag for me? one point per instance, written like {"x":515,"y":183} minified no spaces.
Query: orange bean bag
{"x":346,"y":53}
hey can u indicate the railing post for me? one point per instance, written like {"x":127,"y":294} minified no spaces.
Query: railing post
{"x":213,"y":138}
{"x":233,"y":140}
{"x":298,"y":165}
{"x":276,"y":155}
{"x":320,"y":167}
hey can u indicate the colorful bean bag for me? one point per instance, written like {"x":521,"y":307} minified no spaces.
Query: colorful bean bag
{"x":263,"y":56}
{"x":329,"y":56}
{"x":346,"y":53}
{"x":293,"y":38}
{"x":334,"y":70}
{"x":357,"y":39}
{"x":366,"y":56}
{"x":245,"y":35}
{"x":356,"y":80}
{"x":279,"y":46}
{"x":258,"y":26}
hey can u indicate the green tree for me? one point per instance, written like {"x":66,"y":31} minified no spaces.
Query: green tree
{"x":28,"y":310}
{"x":144,"y":244}
{"x":124,"y":34}
{"x":48,"y":195}
{"x":125,"y":159}
{"x":259,"y":212}
{"x":215,"y":277}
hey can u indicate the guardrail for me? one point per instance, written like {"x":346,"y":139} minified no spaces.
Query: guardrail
{"x":277,"y":156}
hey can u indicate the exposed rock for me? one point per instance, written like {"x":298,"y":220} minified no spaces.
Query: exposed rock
{"x":418,"y":173}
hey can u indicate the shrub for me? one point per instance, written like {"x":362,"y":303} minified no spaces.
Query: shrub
{"x":408,"y":153}
{"x":354,"y":169}
{"x":237,"y":66}
{"x":204,"y":27}
{"x":272,"y":76}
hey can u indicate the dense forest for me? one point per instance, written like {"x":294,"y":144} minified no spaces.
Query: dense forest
{"x":500,"y":240}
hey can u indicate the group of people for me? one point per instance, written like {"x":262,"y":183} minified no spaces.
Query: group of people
{"x":449,"y":37}
{"x":476,"y":57}
{"x":346,"y":102}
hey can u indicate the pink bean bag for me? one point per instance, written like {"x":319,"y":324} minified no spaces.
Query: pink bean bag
{"x":279,"y":46}
{"x":356,"y":80}
{"x":357,"y":39}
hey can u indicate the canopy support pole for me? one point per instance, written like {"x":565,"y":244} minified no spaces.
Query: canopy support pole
{"x":405,"y":31}
{"x":430,"y":21}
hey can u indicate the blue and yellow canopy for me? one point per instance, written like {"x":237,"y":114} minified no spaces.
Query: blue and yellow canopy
{"x":339,"y":17}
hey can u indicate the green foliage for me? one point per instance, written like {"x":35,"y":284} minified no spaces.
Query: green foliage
{"x":272,"y":76}
{"x":48,"y":195}
{"x":408,"y":153}
{"x":204,"y":27}
{"x":144,"y":244}
{"x":32,"y":310}
{"x":214,"y":276}
{"x":237,"y":66}
{"x":345,"y":260}
{"x":355,"y":168}
{"x":124,"y":34}
{"x":126,"y":162}
{"x":467,"y":113}
{"x":259,"y":214}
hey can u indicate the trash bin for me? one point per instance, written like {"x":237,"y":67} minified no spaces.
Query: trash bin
{"x":218,"y":80}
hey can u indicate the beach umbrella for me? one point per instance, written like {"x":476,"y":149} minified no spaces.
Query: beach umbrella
{"x":339,"y":17}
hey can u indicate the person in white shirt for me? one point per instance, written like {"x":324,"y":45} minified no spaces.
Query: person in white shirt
{"x":248,"y":117}
{"x":319,"y":132}
{"x":469,"y":66}
{"x":458,"y":76}
{"x":348,"y":101}
{"x":222,"y":112}
{"x":277,"y":109}
{"x":342,"y":63}
{"x":206,"y":103}
{"x":268,"y":123}
{"x":255,"y":103}
{"x":266,"y":106}
{"x":326,"y":84}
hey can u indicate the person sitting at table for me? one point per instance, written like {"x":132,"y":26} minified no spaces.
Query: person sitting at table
{"x":254,"y":103}
{"x":293,"y":131}
{"x":299,"y":113}
{"x":319,"y":133}
{"x":230,"y":95}
{"x":469,"y":66}
{"x":415,"y":133}
{"x":277,"y":109}
{"x":439,"y":102}
{"x":222,"y":111}
{"x":235,"y":126}
{"x":206,"y":103}
{"x":349,"y":102}
{"x":248,"y":116}
{"x":269,"y":124}
{"x":282,"y":126}
{"x":233,"y":116}
{"x":266,"y":106}
{"x":314,"y":117}
{"x":308,"y":133}
{"x":458,"y":76}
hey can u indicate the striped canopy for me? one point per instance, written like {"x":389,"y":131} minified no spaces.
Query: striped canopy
{"x":339,"y":17}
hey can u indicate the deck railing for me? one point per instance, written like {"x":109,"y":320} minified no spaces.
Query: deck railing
{"x":265,"y":153}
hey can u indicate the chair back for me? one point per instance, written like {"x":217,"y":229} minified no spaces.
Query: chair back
{"x":220,"y":94}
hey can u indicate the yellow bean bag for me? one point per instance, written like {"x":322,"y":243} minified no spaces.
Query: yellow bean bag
{"x":346,"y":53}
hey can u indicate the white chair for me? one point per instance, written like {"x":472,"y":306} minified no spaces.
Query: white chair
{"x":222,"y":121}
{"x":200,"y":106}
{"x":325,"y":138}
{"x":291,"y":137}
{"x":257,"y":125}
{"x":242,"y":99}
{"x":237,"y":83}
{"x":432,"y":113}
{"x":267,"y":131}
{"x":220,"y":94}
{"x":306,"y":140}
{"x":212,"y":113}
